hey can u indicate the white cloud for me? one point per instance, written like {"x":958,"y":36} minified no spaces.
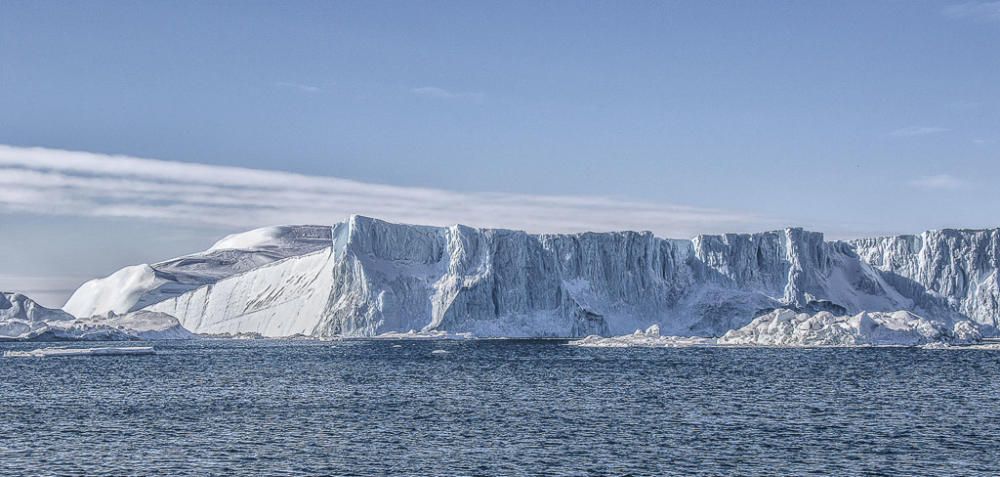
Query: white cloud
{"x":441,"y":93}
{"x":977,"y":11}
{"x":57,"y":182}
{"x":938,"y":182}
{"x":304,"y":88}
{"x":49,"y":291}
{"x":918,"y":131}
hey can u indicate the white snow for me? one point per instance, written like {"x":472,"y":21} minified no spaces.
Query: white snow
{"x":280,"y":237}
{"x":136,"y":287}
{"x":102,"y":351}
{"x":280,"y":299}
{"x":115,"y":293}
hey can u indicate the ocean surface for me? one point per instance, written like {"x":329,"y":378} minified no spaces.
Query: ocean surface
{"x":499,"y":407}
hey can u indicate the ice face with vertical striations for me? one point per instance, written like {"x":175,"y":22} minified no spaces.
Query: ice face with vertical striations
{"x":366,"y":277}
{"x":958,"y":266}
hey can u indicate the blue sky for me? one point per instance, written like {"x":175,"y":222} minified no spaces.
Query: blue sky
{"x":852,"y":118}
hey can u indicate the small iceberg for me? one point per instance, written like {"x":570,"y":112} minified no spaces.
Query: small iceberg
{"x":650,"y":338}
{"x":103,"y":351}
{"x":424,"y":335}
{"x":439,"y":351}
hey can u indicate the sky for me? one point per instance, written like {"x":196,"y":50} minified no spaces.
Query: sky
{"x":133,"y":132}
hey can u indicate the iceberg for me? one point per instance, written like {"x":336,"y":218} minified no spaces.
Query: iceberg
{"x":365,"y":277}
{"x":21,"y":319}
{"x":650,"y":338}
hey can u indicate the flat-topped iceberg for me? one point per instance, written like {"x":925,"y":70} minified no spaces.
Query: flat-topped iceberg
{"x":365,"y":277}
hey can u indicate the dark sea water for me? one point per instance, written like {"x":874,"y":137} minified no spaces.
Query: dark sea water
{"x":512,"y":407}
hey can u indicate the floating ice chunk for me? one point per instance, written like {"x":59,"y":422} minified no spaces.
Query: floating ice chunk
{"x":987,"y":345}
{"x":424,"y":335}
{"x":103,"y":351}
{"x":439,"y":351}
{"x":650,"y":339}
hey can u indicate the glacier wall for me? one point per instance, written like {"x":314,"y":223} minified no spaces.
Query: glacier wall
{"x":365,"y":277}
{"x":957,"y":266}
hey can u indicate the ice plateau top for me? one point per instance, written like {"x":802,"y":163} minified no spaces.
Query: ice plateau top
{"x":364,"y":277}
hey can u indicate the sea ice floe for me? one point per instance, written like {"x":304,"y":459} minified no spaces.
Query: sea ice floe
{"x":102,"y":351}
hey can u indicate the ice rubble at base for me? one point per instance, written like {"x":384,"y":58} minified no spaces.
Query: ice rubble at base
{"x":787,"y":328}
{"x":21,"y":319}
{"x":901,"y":328}
{"x":365,"y":277}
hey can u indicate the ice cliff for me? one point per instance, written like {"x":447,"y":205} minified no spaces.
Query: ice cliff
{"x":365,"y":277}
{"x":959,"y":267}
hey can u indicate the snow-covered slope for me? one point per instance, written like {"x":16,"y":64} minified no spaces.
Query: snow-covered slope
{"x":23,"y":319}
{"x":136,"y":287}
{"x":365,"y":277}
